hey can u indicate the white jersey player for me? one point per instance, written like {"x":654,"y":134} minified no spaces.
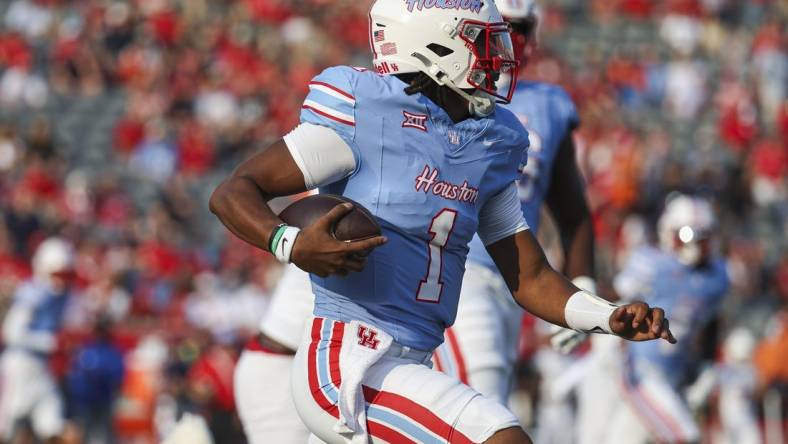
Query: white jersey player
{"x":262,"y":375}
{"x":29,"y":391}
{"x":735,"y":380}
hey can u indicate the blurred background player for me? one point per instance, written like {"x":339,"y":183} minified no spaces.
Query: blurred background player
{"x":262,"y":376}
{"x":687,"y":277}
{"x":30,"y":330}
{"x":735,"y":381}
{"x":481,"y":347}
{"x":93,"y":383}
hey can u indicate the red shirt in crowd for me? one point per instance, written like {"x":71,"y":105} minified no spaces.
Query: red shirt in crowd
{"x":213,"y":372}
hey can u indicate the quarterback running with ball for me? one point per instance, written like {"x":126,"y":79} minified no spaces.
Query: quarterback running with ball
{"x":422,"y":144}
{"x":481,"y":357}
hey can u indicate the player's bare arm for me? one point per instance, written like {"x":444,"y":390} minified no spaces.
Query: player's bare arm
{"x":241,"y":203}
{"x":538,"y":288}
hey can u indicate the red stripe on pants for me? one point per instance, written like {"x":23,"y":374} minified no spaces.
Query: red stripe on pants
{"x":417,"y":413}
{"x":459,"y":361}
{"x":314,"y":384}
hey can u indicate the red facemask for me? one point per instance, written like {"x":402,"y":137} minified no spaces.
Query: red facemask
{"x":493,"y":53}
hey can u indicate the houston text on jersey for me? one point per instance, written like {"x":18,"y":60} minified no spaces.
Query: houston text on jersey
{"x":470,"y":5}
{"x":428,"y":182}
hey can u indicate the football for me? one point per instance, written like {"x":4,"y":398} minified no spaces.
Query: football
{"x":358,"y":224}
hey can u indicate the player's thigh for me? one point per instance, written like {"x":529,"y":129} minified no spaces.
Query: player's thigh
{"x":480,"y":348}
{"x":23,"y":381}
{"x":264,"y":399}
{"x":620,"y":426}
{"x":673,"y":410}
{"x":486,"y":301}
{"x":46,"y":416}
{"x":598,"y":395}
{"x":406,"y":402}
{"x":412,"y":396}
{"x":290,"y":308}
{"x":488,"y":320}
{"x":495,"y":383}
{"x":661,"y":410}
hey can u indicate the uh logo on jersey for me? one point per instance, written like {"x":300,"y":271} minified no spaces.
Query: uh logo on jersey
{"x":471,"y":5}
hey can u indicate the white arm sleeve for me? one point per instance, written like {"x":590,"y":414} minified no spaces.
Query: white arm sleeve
{"x":501,"y":216}
{"x":321,"y":155}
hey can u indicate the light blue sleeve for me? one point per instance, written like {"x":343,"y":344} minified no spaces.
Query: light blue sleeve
{"x":331,"y":102}
{"x":721,"y":282}
{"x":16,"y":329}
{"x":565,"y":108}
{"x":27,"y":295}
{"x":522,"y":140}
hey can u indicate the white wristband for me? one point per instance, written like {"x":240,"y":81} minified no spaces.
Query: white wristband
{"x":285,"y":246}
{"x":588,"y":313}
{"x":585,"y":283}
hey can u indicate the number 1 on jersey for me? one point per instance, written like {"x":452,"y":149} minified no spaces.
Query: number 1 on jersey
{"x":430,"y":287}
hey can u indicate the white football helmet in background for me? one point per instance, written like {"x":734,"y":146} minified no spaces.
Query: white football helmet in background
{"x":54,"y":255}
{"x":517,"y":9}
{"x":53,"y":263}
{"x":739,"y":346}
{"x":523,"y":16}
{"x":685,"y":224}
{"x":460,"y":44}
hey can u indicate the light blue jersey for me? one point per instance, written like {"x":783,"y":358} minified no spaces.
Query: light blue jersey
{"x":690,"y":296}
{"x":550,"y":115}
{"x":426,"y":180}
{"x":46,"y":306}
{"x":42,"y":311}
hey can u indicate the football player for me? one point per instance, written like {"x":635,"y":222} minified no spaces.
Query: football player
{"x":685,"y":277}
{"x":262,"y":375}
{"x":736,"y":383}
{"x":481,"y":348}
{"x":422,"y":144}
{"x":30,"y":392}
{"x":262,"y":379}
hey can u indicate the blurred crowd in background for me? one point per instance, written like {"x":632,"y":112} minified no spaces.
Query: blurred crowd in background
{"x":117,"y":119}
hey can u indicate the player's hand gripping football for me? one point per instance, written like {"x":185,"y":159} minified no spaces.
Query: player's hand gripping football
{"x":639,"y":322}
{"x":317,"y":251}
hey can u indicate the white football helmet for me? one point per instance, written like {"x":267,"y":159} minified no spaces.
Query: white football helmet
{"x":53,"y":256}
{"x":523,"y":16}
{"x":461,"y":44}
{"x":739,"y":346}
{"x":685,"y":223}
{"x":517,"y":9}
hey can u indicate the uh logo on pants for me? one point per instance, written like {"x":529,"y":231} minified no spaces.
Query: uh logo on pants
{"x":368,"y":337}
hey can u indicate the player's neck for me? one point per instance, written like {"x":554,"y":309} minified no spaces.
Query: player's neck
{"x":451,"y":102}
{"x":454,"y":105}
